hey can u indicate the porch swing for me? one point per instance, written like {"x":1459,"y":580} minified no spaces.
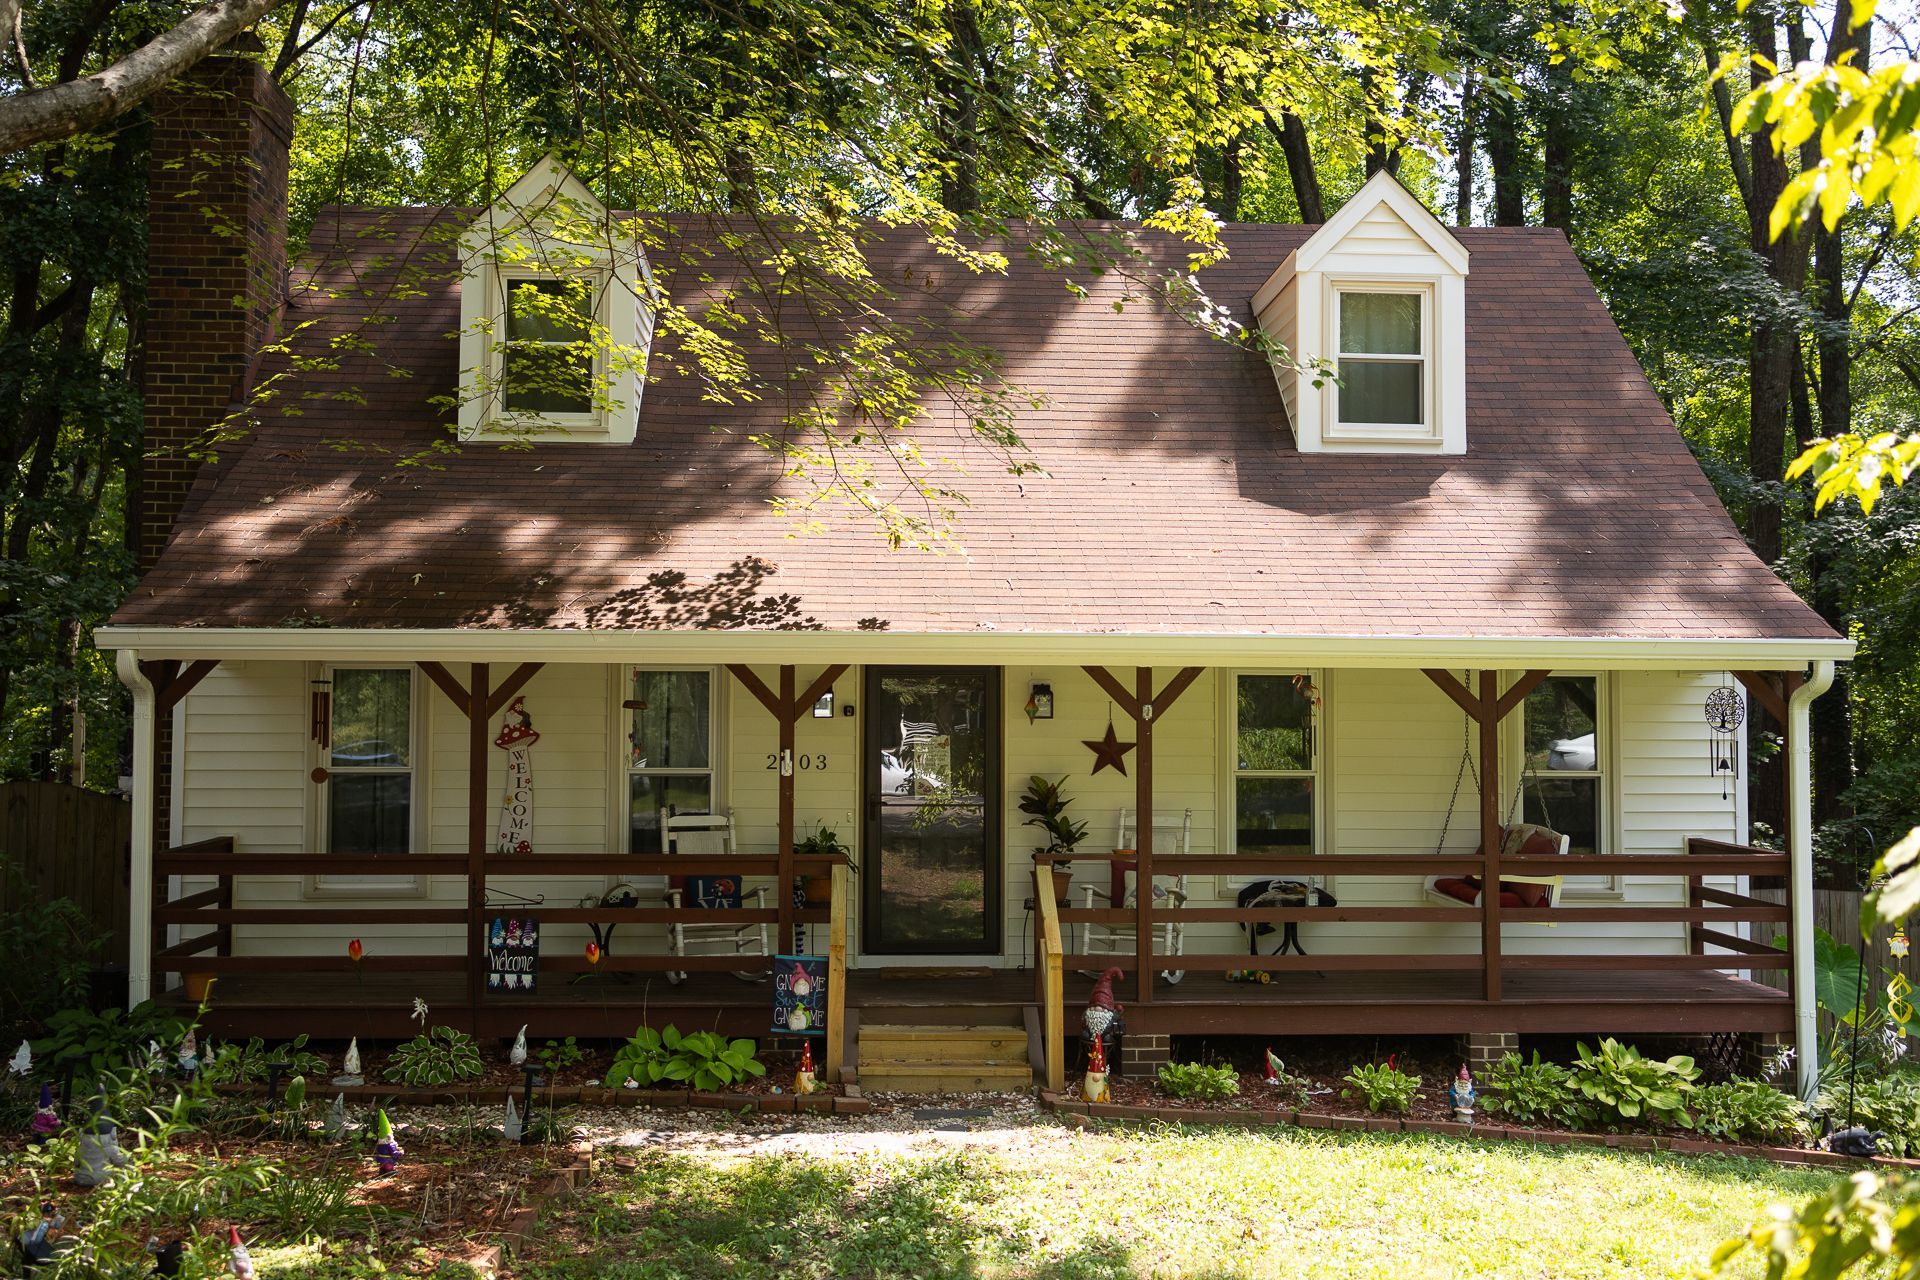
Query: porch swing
{"x":1517,"y":840}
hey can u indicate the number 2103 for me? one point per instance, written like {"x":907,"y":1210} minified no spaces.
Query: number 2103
{"x":802,"y":761}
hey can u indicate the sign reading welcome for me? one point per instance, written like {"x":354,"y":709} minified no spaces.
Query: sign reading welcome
{"x":513,"y":954}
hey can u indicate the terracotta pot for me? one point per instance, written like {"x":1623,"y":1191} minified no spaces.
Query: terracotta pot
{"x":195,"y":985}
{"x":1062,"y":884}
{"x":819,"y":890}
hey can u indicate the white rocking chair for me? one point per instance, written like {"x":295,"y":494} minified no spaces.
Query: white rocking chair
{"x":709,"y":835}
{"x":1170,"y":835}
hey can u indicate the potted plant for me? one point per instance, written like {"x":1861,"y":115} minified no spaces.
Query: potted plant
{"x":1046,"y":807}
{"x":818,"y":889}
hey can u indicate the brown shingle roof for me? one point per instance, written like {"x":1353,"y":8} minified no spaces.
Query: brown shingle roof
{"x":1175,"y":501}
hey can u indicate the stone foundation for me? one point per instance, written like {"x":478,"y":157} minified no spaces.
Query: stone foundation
{"x":1481,"y":1049}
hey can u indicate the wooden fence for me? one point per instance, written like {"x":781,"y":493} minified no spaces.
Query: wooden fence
{"x":68,"y":842}
{"x":1838,"y":912}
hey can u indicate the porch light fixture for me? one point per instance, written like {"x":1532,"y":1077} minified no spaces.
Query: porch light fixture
{"x":823,"y":709}
{"x":1040,"y":701}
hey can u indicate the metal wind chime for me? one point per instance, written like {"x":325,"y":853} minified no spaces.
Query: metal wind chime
{"x":1726,"y":711}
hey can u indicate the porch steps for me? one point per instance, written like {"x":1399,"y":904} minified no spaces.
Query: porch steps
{"x":935,"y":1058}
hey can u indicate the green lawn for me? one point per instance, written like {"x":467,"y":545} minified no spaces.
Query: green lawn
{"x":1121,"y":1203}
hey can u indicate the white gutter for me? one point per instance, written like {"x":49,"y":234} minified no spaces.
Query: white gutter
{"x":140,"y":875}
{"x":1806,"y":1013}
{"x":974,"y":646}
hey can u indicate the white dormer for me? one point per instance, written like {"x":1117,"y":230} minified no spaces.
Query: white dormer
{"x":556,"y":315}
{"x":1379,"y":292}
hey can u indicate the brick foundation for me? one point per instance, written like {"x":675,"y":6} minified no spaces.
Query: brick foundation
{"x":1761,"y":1052}
{"x":1142,"y":1056}
{"x":1481,"y":1049}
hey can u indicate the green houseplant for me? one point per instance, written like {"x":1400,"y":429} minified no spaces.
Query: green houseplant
{"x":1046,"y":806}
{"x":824,"y":841}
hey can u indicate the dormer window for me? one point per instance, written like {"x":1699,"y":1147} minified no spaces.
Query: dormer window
{"x":1376,"y":296}
{"x":549,"y":363}
{"x":1383,"y":357}
{"x":556,"y":312}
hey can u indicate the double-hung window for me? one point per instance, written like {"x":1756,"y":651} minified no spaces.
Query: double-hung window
{"x":1564,"y":785}
{"x":1383,"y":357}
{"x":1275,"y":764}
{"x":670,"y":750}
{"x":549,"y":359}
{"x":370,"y":761}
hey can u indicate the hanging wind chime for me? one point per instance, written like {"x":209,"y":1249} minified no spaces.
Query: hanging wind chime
{"x":1725,"y":713}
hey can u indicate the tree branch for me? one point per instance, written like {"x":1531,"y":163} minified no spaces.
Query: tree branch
{"x":64,"y":110}
{"x":10,"y":30}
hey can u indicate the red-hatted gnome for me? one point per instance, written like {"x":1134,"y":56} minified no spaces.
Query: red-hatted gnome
{"x":803,"y":1079}
{"x":1094,"y":1087}
{"x":1102,"y":1018}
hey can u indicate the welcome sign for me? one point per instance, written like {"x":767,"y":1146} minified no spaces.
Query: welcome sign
{"x":513,"y":954}
{"x":800,"y":995}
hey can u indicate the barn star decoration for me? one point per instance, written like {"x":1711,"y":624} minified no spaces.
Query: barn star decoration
{"x":1109,"y":752}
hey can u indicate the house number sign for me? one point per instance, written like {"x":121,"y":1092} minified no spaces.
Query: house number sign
{"x":816,"y":762}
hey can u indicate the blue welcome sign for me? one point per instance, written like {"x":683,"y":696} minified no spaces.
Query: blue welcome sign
{"x":800,"y":995}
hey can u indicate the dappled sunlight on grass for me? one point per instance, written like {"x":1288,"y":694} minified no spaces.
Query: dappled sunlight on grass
{"x":1165,"y":1202}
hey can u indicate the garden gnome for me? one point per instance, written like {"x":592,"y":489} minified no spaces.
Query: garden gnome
{"x":22,"y":1060}
{"x":336,"y":1123}
{"x":1094,"y":1087}
{"x":166,"y":1257}
{"x":803,"y":1080}
{"x":35,"y":1244}
{"x":189,"y":1055}
{"x":238,"y":1259}
{"x":1276,"y":1069}
{"x":350,"y":1065}
{"x":511,"y":1129}
{"x":386,"y":1152}
{"x":518,"y":1055}
{"x":1102,"y":1016}
{"x":1462,"y":1096}
{"x":46,"y":1121}
{"x":99,"y":1153}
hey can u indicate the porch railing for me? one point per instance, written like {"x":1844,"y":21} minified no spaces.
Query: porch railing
{"x":1706,"y":915}
{"x":212,"y":911}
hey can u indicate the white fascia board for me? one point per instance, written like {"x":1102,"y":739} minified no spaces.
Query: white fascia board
{"x":1266,"y":293}
{"x":970,"y":647}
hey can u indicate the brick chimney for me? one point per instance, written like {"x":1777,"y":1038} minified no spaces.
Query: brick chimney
{"x":216,"y":269}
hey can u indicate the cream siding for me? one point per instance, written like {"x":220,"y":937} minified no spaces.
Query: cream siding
{"x":1390,"y":750}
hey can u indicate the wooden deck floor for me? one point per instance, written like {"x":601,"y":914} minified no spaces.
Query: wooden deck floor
{"x":1403,"y":1003}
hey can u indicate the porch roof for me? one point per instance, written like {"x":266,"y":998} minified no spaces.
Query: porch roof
{"x":1175,"y":507}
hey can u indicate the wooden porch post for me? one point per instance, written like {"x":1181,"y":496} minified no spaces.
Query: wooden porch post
{"x":477,"y":720}
{"x":788,"y":736}
{"x":1490,"y":832}
{"x":1143,"y":833}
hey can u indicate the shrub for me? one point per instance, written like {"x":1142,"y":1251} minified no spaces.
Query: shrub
{"x":1615,"y":1085}
{"x":558,"y":1055}
{"x":1199,"y":1081}
{"x":702,"y":1059}
{"x":46,"y":948}
{"x":1531,"y":1091}
{"x":1750,"y":1109}
{"x":231,"y":1061}
{"x":111,"y":1041}
{"x":1889,"y":1103}
{"x":437,"y":1057}
{"x":1382,"y":1086}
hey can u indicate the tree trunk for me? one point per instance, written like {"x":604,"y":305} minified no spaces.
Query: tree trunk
{"x":1504,"y":157}
{"x":1291,"y":132}
{"x":1463,"y":156}
{"x":1556,"y":170}
{"x":960,"y":123}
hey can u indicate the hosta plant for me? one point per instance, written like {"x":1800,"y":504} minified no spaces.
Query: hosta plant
{"x":1530,"y":1091}
{"x":1749,"y":1109}
{"x":437,"y":1058}
{"x":1616,"y":1085}
{"x":702,"y":1059}
{"x":1382,"y":1086}
{"x":1199,"y":1081}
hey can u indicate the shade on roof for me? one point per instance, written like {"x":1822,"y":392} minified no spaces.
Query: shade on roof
{"x":1174,"y":501}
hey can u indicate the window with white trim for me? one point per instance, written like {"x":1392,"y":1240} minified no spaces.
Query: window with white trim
{"x":1563,"y":758}
{"x":1275,"y":765}
{"x":370,"y":761}
{"x":1383,"y":357}
{"x":548,"y":355}
{"x":670,"y":750}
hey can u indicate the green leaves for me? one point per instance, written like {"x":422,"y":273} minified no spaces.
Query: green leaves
{"x":439,"y":1057}
{"x":1897,"y":879}
{"x":1383,"y":1086}
{"x":1620,"y":1085}
{"x":1858,"y":466}
{"x":702,"y":1059}
{"x":1199,"y":1081}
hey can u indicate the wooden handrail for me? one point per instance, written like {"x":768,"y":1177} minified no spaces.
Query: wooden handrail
{"x":1733,"y":860}
{"x":1053,"y":995}
{"x":837,"y":973}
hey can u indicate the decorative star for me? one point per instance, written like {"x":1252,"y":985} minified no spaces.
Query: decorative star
{"x":1110,"y":751}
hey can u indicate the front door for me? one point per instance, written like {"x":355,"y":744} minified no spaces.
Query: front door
{"x":931,"y":884}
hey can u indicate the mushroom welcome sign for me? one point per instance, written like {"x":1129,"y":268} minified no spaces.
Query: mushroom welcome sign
{"x":517,"y":737}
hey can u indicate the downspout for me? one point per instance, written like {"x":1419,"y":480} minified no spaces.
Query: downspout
{"x":1806,"y":1014}
{"x":140,"y":875}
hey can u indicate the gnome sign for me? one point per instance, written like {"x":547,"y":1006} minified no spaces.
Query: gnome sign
{"x":516,"y":738}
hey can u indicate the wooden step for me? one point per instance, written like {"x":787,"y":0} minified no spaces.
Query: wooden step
{"x":944,"y":1077}
{"x":987,"y":1045}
